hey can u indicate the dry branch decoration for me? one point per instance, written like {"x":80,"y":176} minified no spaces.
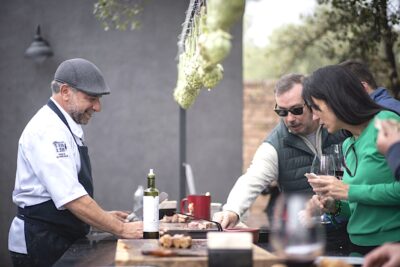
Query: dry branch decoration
{"x":204,"y":43}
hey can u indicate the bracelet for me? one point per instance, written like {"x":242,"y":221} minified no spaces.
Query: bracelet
{"x":338,"y":208}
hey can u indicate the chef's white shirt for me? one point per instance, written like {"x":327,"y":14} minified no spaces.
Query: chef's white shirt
{"x":47,"y":167}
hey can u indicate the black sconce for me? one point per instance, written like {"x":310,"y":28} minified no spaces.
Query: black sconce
{"x":40,"y":49}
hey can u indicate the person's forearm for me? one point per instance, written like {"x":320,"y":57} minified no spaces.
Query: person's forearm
{"x":242,"y":196}
{"x":261,"y":173}
{"x":87,"y":210}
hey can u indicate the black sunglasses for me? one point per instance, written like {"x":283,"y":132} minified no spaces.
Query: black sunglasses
{"x":284,"y":112}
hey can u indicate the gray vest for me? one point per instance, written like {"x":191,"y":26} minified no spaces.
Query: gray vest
{"x":295,"y":157}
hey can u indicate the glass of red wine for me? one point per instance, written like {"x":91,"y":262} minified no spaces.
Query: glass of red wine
{"x":339,"y":161}
{"x":297,"y":234}
{"x":324,"y":165}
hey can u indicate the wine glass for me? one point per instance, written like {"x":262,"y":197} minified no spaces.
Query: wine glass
{"x":297,"y":234}
{"x":324,"y":165}
{"x":339,"y":161}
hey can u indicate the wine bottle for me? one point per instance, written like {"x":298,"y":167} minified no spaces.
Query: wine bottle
{"x":150,"y":208}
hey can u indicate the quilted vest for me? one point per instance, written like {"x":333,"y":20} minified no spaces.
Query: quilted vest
{"x":295,"y":157}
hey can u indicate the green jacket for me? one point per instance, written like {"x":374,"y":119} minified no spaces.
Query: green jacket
{"x":374,"y":194}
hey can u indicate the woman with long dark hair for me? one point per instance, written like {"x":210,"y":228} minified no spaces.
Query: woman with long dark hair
{"x":369,"y":193}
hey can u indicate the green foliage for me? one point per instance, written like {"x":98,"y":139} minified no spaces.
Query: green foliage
{"x":118,"y":14}
{"x":338,"y":30}
{"x":363,"y":24}
{"x":290,"y":50}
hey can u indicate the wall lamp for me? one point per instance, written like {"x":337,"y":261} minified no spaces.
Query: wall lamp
{"x":39,"y":50}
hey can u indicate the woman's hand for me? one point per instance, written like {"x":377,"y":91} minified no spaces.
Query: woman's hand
{"x":323,"y":204}
{"x":328,"y":186}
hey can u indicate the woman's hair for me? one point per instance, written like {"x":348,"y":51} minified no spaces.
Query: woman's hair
{"x":343,"y":93}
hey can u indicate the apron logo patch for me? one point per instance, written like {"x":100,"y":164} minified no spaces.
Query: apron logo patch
{"x":61,"y":149}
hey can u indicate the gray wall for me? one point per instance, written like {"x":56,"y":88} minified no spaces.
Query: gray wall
{"x":138,"y":126}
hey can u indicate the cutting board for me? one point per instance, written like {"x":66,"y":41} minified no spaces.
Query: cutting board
{"x":129,"y":252}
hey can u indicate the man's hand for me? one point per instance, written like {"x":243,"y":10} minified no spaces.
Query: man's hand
{"x":226,"y":218}
{"x":389,"y":133}
{"x":132,"y":230}
{"x":387,"y":255}
{"x":87,"y":210}
{"x":120,"y":215}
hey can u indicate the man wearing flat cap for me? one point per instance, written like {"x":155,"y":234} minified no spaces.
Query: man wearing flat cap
{"x":53,"y":186}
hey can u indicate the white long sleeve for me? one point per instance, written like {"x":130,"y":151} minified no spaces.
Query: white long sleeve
{"x":261,"y":173}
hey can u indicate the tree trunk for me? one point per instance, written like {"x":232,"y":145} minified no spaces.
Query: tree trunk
{"x":388,"y":41}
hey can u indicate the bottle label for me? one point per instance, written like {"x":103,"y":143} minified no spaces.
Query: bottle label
{"x":150,"y":214}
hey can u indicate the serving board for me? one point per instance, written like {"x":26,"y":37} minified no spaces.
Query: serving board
{"x":129,"y":252}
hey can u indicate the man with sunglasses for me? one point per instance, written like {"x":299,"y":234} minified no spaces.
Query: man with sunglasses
{"x":285,"y":156}
{"x":53,"y":187}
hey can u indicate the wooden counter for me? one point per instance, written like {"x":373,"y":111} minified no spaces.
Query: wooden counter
{"x":129,"y":252}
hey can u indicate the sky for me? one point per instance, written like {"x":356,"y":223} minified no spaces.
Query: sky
{"x":267,"y":15}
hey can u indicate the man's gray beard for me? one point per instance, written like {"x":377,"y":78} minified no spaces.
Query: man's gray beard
{"x":77,"y":117}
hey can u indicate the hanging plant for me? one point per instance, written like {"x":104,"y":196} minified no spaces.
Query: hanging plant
{"x":204,"y":43}
{"x":214,"y":46}
{"x":222,"y":14}
{"x":189,"y":81}
{"x":212,"y":77}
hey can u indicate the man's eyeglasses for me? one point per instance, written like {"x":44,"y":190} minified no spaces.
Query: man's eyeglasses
{"x":284,"y":112}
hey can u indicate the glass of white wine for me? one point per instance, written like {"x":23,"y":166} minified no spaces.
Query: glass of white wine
{"x":297,"y":234}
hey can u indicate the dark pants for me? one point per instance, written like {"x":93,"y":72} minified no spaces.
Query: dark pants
{"x":274,"y":194}
{"x":356,"y":250}
{"x":337,"y":239}
{"x":338,"y":243}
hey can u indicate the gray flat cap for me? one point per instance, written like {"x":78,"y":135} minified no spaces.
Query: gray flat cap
{"x":82,"y":75}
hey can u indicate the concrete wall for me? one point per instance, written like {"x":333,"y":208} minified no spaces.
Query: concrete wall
{"x":138,"y":126}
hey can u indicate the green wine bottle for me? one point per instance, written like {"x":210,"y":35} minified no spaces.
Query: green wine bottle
{"x":150,"y":208}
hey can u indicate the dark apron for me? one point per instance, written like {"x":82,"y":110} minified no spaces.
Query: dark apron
{"x":49,"y":232}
